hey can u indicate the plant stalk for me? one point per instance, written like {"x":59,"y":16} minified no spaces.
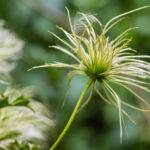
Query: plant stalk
{"x":72,"y":116}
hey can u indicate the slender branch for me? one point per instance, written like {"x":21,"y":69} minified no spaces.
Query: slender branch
{"x":72,"y":116}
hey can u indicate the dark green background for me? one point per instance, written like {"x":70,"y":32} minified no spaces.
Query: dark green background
{"x":97,"y":126}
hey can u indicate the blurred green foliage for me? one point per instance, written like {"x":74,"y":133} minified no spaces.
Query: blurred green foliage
{"x":6,"y":101}
{"x":21,"y":145}
{"x":96,"y":126}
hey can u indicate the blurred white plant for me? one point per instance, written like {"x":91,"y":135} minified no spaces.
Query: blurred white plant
{"x":21,"y":117}
{"x":10,"y":45}
{"x":19,"y":121}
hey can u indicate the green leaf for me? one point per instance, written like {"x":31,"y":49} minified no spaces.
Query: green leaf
{"x":21,"y":145}
{"x":14,"y":100}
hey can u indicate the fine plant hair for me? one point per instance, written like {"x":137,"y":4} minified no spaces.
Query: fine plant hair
{"x":103,"y":61}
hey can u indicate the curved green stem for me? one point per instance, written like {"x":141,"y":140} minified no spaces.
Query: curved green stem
{"x":72,"y":116}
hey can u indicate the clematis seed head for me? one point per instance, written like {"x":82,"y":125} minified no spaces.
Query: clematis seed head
{"x":105,"y":61}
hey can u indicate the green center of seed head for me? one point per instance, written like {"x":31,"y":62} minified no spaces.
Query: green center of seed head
{"x":97,"y":73}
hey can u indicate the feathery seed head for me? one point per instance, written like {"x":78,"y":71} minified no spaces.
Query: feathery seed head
{"x":105,"y":61}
